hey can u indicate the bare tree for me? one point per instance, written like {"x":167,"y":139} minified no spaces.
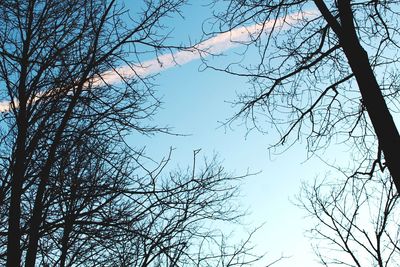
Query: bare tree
{"x":325,"y":69}
{"x":52,"y":56}
{"x":355,"y":221}
{"x":72,"y":191}
{"x":104,"y":209}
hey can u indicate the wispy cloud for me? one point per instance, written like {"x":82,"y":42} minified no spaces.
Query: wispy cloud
{"x":215,"y":45}
{"x":4,"y":106}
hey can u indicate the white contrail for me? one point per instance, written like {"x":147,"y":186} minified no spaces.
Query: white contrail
{"x":215,"y":45}
{"x":4,"y":106}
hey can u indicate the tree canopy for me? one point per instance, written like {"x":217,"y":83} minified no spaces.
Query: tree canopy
{"x":73,"y":192}
{"x":326,"y":70}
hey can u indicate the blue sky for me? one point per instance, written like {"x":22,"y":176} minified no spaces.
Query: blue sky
{"x":194,"y":104}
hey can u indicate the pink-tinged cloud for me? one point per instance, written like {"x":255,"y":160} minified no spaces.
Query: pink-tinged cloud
{"x":4,"y":106}
{"x":215,"y":45}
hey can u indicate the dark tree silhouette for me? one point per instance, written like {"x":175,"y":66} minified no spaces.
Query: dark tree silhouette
{"x":325,"y":68}
{"x":72,"y":191}
{"x":354,"y":221}
{"x":52,"y":54}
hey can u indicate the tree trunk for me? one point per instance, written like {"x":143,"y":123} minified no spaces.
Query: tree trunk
{"x":36,"y":219}
{"x":65,"y":238}
{"x":68,"y":223}
{"x":19,"y":166}
{"x":382,"y":120}
{"x":14,"y":231}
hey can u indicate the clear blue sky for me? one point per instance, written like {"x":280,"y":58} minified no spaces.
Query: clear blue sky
{"x":194,"y":102}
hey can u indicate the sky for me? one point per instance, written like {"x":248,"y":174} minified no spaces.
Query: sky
{"x":211,"y":46}
{"x":194,"y":104}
